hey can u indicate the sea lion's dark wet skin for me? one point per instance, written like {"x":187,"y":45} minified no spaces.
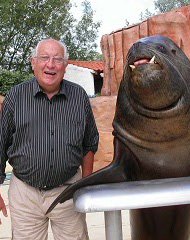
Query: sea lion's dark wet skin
{"x":151,"y":134}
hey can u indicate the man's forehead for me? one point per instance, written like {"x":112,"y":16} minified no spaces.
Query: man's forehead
{"x":48,"y":42}
{"x":51,"y":45}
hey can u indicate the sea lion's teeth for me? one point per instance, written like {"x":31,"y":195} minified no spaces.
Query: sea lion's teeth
{"x":152,"y":60}
{"x":132,"y":66}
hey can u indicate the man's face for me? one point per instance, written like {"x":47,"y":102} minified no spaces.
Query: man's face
{"x":49,"y":73}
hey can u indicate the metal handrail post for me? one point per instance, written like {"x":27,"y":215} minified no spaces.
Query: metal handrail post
{"x":113,"y":225}
{"x":113,"y":197}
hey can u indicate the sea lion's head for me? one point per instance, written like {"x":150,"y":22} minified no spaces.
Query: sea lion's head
{"x":155,"y":91}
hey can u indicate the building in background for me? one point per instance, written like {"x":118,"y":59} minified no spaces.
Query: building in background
{"x":88,"y":74}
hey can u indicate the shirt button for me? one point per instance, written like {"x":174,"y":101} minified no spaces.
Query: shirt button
{"x":52,"y":133}
{"x":52,"y":150}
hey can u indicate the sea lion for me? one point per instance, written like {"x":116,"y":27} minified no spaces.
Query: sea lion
{"x":151,"y":134}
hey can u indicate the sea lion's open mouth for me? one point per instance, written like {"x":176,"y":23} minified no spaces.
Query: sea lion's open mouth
{"x":143,"y":61}
{"x":150,"y":89}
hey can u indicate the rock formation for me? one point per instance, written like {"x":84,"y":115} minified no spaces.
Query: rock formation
{"x":174,"y":24}
{"x":1,"y":100}
{"x":103,"y":108}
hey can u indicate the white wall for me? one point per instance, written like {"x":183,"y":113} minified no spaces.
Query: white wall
{"x":82,"y":76}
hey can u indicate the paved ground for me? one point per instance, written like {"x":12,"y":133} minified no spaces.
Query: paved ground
{"x":95,"y":221}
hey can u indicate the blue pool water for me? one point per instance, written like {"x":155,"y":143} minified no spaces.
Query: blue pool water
{"x":7,"y":179}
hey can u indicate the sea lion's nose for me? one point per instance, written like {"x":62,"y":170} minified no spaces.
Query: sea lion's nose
{"x":136,"y":46}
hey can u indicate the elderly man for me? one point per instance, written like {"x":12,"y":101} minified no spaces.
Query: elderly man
{"x":47,"y":131}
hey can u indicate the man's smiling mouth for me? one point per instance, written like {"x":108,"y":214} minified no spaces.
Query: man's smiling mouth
{"x":50,"y":73}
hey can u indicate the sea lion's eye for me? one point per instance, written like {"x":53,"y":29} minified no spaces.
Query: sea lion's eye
{"x":161,"y":48}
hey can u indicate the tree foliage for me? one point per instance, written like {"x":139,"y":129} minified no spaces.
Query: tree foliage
{"x":24,"y":22}
{"x":82,"y":43}
{"x":146,"y":14}
{"x":167,"y":5}
{"x":8,"y":79}
{"x":162,"y":6}
{"x":127,"y":23}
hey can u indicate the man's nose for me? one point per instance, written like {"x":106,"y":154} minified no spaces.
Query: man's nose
{"x":51,"y":62}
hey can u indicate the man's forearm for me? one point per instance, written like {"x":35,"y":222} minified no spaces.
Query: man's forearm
{"x":87,"y":164}
{"x":2,"y":207}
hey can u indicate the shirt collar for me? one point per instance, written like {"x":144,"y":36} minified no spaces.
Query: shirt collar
{"x":37,"y":89}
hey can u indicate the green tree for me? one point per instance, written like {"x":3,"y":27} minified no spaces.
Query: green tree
{"x":98,"y":57}
{"x":8,"y":79}
{"x":24,"y":22}
{"x":146,"y":14}
{"x":162,"y":6}
{"x":127,"y":23}
{"x":81,"y":42}
{"x":167,"y":5}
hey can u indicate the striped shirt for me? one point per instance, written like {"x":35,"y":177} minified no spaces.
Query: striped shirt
{"x":45,"y":140}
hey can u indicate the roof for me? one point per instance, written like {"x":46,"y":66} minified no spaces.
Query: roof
{"x":97,"y":66}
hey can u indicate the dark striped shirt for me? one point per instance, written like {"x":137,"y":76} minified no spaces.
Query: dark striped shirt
{"x":45,"y":140}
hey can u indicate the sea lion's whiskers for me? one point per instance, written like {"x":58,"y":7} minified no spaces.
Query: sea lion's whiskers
{"x":183,"y":63}
{"x":182,"y":78}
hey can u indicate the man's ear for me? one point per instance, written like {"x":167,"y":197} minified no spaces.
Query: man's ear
{"x":32,"y":61}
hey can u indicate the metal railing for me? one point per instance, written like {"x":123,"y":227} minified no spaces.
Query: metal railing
{"x":113,"y":197}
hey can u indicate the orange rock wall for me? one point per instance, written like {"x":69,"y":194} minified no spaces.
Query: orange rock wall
{"x":174,"y":24}
{"x":1,"y":101}
{"x":103,"y":108}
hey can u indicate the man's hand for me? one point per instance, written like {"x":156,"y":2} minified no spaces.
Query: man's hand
{"x":3,"y":208}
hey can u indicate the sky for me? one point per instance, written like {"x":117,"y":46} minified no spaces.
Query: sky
{"x":113,"y":13}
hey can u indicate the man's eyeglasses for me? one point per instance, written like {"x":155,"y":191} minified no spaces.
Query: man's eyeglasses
{"x":56,"y":59}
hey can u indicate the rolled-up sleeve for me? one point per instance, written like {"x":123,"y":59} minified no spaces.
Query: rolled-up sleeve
{"x":6,"y":130}
{"x":91,"y":136}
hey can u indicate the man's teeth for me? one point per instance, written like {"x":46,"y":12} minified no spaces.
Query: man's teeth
{"x":152,"y":61}
{"x":51,"y":73}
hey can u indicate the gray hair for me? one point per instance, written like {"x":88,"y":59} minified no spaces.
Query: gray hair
{"x":35,"y":50}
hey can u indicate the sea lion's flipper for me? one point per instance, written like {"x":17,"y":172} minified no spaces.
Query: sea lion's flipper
{"x":105,"y":175}
{"x":119,"y":170}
